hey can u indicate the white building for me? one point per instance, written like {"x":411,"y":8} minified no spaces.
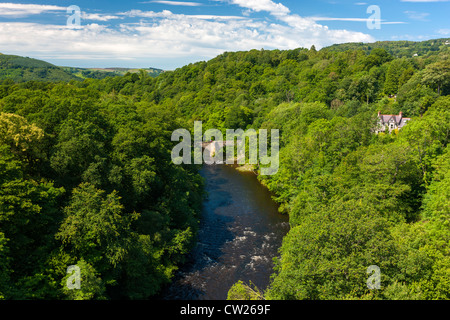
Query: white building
{"x":391,"y":122}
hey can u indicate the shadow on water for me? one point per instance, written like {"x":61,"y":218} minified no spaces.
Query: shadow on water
{"x":239,"y":235}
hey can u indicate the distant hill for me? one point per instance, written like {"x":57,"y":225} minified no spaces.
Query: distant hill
{"x":395,"y":48}
{"x":101,"y":73}
{"x":21,"y":69}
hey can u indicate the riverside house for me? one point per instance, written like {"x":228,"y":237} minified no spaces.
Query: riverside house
{"x":390,"y":122}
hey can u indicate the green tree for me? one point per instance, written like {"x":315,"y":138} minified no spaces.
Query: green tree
{"x":5,"y":269}
{"x":238,"y":118}
{"x":437,"y":75}
{"x":242,"y":291}
{"x":327,"y":254}
{"x":96,"y":229}
{"x":91,"y":285}
{"x":22,"y":138}
{"x":436,"y":200}
{"x":29,"y":216}
{"x":393,"y":74}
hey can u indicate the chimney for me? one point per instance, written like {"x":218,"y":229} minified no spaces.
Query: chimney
{"x":401,"y":115}
{"x":379,"y":114}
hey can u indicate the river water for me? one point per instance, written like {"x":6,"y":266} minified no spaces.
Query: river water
{"x":240,"y":234}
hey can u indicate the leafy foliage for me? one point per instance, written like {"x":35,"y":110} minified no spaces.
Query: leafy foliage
{"x":87,"y":179}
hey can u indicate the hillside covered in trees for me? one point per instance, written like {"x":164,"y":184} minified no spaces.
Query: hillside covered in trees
{"x":102,"y":73}
{"x":86,"y":176}
{"x":397,"y":49}
{"x":22,"y":69}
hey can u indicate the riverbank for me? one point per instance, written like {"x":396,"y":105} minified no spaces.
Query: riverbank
{"x":246,"y":168}
{"x":240,"y":233}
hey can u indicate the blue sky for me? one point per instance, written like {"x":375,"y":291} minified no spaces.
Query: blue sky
{"x":168,"y":34}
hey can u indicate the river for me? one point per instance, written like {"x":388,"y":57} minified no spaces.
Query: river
{"x":240,"y":234}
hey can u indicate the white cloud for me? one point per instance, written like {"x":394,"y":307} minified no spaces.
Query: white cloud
{"x":98,"y":17}
{"x":176,"y":3}
{"x":168,"y":14}
{"x":365,"y":20}
{"x":168,"y":36}
{"x":444,"y":32}
{"x":263,"y":5}
{"x":21,"y":10}
{"x":306,"y":30}
{"x":18,"y":10}
{"x":339,"y":19}
{"x":419,"y":16}
{"x":147,"y":14}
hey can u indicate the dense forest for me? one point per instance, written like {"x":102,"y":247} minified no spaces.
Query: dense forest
{"x":86,"y":175}
{"x":87,"y":179}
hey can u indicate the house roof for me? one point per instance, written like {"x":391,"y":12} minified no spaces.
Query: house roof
{"x":399,"y":120}
{"x":387,"y":117}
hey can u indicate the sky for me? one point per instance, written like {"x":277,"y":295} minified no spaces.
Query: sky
{"x":169,"y":34}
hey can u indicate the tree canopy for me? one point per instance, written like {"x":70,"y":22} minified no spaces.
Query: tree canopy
{"x":86,"y":177}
